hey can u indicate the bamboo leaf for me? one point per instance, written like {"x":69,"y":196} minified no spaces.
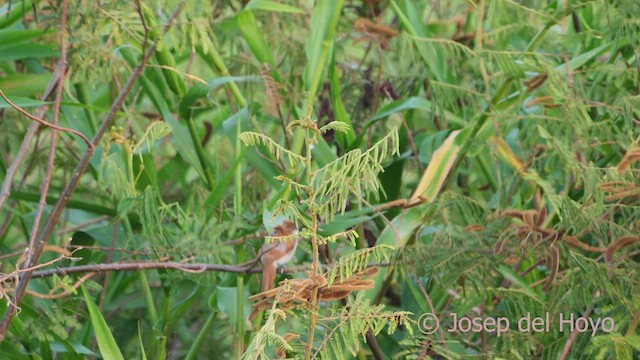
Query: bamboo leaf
{"x":22,"y":102}
{"x":253,"y":36}
{"x":323,"y":26}
{"x":268,"y":5}
{"x":437,"y":171}
{"x":106,"y":343}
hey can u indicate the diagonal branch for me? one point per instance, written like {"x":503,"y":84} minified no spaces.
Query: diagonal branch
{"x":52,"y":145}
{"x":57,"y":209}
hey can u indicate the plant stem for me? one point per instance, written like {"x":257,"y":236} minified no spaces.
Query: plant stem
{"x":314,"y":242}
{"x":201,"y":155}
{"x":193,"y":350}
{"x":240,"y":318}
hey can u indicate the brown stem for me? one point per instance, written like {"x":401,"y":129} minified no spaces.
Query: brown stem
{"x":245,"y":268}
{"x":574,"y":334}
{"x":52,"y":145}
{"x":373,"y":345}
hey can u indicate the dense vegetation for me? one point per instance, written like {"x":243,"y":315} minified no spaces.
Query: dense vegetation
{"x":474,"y":160}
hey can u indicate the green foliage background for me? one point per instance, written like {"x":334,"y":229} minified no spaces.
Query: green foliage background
{"x":538,"y":210}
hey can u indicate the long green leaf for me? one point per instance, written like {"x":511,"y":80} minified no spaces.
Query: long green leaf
{"x":10,"y":37}
{"x":268,"y":5}
{"x":106,"y":343}
{"x":323,"y":27}
{"x":22,"y":102}
{"x":24,"y":84}
{"x":340,"y":113}
{"x":253,"y":36}
{"x":26,"y":51}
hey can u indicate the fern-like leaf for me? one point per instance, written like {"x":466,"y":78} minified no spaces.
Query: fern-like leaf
{"x":255,"y":139}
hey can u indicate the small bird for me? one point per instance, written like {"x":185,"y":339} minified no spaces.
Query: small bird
{"x":278,"y":253}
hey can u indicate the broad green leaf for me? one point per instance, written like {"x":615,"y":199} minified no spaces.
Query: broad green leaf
{"x":341,"y":222}
{"x":26,"y":51}
{"x":265,"y":167}
{"x":577,"y":61}
{"x":24,"y":84}
{"x":22,"y":102}
{"x":438,"y":170}
{"x":253,"y":36}
{"x":340,"y":113}
{"x":78,"y":349}
{"x":323,"y":27}
{"x":269,"y":5}
{"x":415,"y":102}
{"x":216,"y":195}
{"x":9,"y":37}
{"x":106,"y":343}
{"x":11,"y":11}
{"x":412,"y":23}
{"x":180,"y":133}
{"x":178,"y":311}
{"x":401,"y":229}
{"x":512,"y":276}
{"x":227,"y":302}
{"x":201,"y":90}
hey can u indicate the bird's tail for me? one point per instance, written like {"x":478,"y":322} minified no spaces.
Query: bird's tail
{"x":268,"y":277}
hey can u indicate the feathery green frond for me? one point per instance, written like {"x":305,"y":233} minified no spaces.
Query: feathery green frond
{"x":255,"y":139}
{"x":357,"y":261}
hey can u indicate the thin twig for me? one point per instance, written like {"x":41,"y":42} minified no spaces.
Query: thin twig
{"x":24,"y":148}
{"x":144,"y":26}
{"x":145,"y":265}
{"x":85,"y":224}
{"x":58,"y":208}
{"x":13,"y":276}
{"x":411,"y":142}
{"x":44,"y":122}
{"x":108,"y":248}
{"x":175,"y":265}
{"x":384,"y":218}
{"x":431,"y":307}
{"x":574,"y":334}
{"x":64,"y":293}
